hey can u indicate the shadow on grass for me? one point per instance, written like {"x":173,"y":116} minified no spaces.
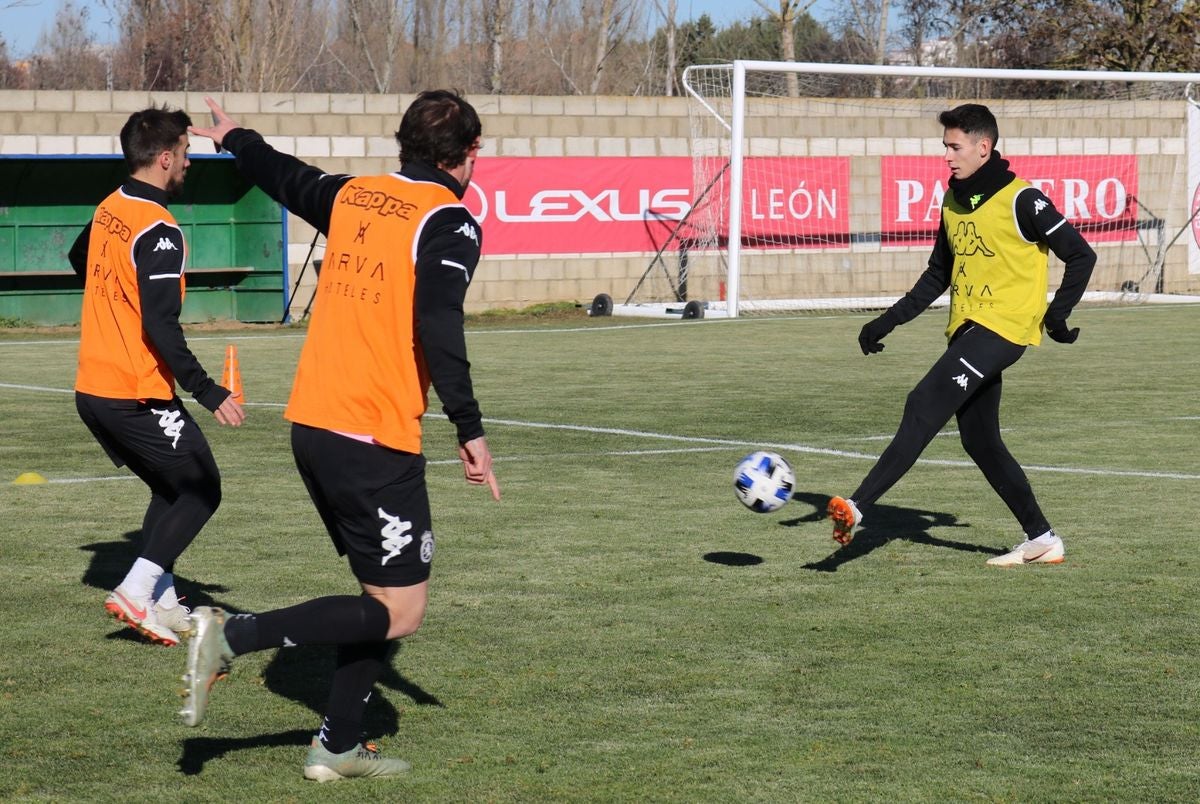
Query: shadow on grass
{"x":197,"y":751}
{"x":303,"y":674}
{"x":112,"y":560}
{"x":882,"y":524}
{"x":731,"y":559}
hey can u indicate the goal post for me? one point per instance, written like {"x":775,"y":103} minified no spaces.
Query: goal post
{"x":824,"y":192}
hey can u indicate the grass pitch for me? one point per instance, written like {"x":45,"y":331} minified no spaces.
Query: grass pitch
{"x":618,"y":627}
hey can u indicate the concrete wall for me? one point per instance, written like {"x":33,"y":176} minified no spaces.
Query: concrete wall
{"x":353,"y":134}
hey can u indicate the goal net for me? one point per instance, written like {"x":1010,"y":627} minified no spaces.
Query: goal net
{"x":819,"y":186}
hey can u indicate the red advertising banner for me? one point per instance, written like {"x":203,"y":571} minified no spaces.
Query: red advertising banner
{"x":573,"y":205}
{"x":1097,"y":194}
{"x":795,"y":202}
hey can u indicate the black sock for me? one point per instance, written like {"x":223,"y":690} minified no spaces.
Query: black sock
{"x":334,"y":620}
{"x":339,"y":735}
{"x":358,"y":668}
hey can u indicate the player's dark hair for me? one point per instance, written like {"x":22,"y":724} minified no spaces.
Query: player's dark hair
{"x":148,"y":133}
{"x":439,"y":128}
{"x":974,"y":119}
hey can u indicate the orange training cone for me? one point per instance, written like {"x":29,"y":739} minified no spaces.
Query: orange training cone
{"x":231,"y":377}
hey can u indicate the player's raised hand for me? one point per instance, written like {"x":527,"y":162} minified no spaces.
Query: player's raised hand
{"x":222,"y":124}
{"x":477,"y":464}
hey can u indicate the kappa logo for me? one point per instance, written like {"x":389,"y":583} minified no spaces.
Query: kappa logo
{"x":961,"y":379}
{"x":1039,"y":205}
{"x":381,"y":203}
{"x":113,"y":225}
{"x":171,"y":423}
{"x":165,"y":244}
{"x":395,"y":533}
{"x":967,"y":241}
{"x":467,"y":230}
{"x":975,"y":199}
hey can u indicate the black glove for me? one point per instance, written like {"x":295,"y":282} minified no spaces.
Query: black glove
{"x":873,"y":332}
{"x":1056,"y":328}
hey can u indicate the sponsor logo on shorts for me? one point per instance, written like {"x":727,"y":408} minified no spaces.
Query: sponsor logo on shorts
{"x":426,"y":547}
{"x":396,"y":536}
{"x":171,"y":423}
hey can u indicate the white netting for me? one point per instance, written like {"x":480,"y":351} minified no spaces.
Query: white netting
{"x":842,"y":179}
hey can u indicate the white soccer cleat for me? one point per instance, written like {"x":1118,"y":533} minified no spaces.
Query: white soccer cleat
{"x":1031,"y":552}
{"x":140,"y":615}
{"x":177,"y":618}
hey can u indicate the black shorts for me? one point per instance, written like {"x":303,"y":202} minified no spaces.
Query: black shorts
{"x":145,"y":436}
{"x":373,"y":502}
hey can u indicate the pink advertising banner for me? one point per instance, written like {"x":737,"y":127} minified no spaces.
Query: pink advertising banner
{"x":572,"y":205}
{"x":1098,"y":194}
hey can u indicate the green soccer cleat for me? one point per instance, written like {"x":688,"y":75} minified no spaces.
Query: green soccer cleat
{"x":363,"y":760}
{"x":209,"y":656}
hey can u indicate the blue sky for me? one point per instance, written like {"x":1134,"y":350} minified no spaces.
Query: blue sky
{"x":23,"y":21}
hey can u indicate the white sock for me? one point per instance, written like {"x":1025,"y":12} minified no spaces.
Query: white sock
{"x":1046,"y":538}
{"x":142,"y":578}
{"x":164,"y":591}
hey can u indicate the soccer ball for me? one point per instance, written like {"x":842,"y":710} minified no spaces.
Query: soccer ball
{"x":763,"y":481}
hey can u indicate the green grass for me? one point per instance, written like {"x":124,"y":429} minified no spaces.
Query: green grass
{"x":618,"y":627}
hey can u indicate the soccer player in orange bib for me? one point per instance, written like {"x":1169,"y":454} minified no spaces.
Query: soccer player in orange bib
{"x":132,"y":351}
{"x":387,"y":322}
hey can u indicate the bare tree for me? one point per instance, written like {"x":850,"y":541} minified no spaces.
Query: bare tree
{"x":1124,"y":35}
{"x":11,"y":77}
{"x":497,"y":15}
{"x":603,"y":42}
{"x":375,"y":29}
{"x":785,"y":17}
{"x":668,"y":11}
{"x":920,"y":20}
{"x":67,"y":55}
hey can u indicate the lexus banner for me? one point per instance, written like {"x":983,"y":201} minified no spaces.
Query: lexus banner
{"x":589,"y":205}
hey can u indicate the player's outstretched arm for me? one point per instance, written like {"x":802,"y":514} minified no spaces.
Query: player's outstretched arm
{"x":477,"y":464}
{"x":305,"y":190}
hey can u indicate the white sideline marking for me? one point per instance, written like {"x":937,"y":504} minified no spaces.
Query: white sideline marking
{"x":728,"y":442}
{"x":456,"y":461}
{"x":91,"y":479}
{"x":231,"y":337}
{"x":17,"y":387}
{"x":837,"y":453}
{"x":483,"y":331}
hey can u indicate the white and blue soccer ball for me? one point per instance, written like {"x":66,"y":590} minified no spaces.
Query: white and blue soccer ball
{"x":763,"y":481}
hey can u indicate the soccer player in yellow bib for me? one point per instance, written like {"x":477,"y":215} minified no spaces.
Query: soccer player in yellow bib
{"x":991,"y":253}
